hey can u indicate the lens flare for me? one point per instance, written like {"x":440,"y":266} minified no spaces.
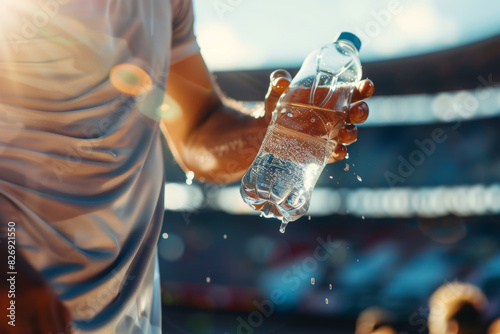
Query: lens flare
{"x":130,"y":79}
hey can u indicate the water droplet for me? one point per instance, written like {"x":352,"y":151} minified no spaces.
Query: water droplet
{"x":225,"y":236}
{"x":347,"y":156}
{"x":313,"y":280}
{"x":165,"y":235}
{"x":313,"y":120}
{"x":189,"y":178}
{"x":289,"y":114}
{"x":330,"y":286}
{"x":326,"y":301}
{"x":284,"y":223}
{"x":359,"y":178}
{"x":208,"y":279}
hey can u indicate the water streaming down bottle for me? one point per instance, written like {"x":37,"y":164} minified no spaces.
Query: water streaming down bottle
{"x":303,"y":131}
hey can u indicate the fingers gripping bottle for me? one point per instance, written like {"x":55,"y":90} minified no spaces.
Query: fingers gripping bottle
{"x":303,"y":130}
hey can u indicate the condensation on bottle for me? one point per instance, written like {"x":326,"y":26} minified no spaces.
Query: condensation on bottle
{"x":303,"y":132}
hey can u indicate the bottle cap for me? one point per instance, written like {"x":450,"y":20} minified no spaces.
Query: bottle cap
{"x":347,"y":36}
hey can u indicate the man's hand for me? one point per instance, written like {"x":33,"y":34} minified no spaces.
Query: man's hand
{"x":214,"y":138}
{"x":358,"y":111}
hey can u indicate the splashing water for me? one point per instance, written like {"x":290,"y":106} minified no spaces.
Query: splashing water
{"x":284,"y":223}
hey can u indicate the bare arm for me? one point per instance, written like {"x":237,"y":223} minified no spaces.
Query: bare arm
{"x":215,"y":141}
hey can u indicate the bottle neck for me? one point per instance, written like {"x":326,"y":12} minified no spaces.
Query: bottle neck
{"x":348,"y":46}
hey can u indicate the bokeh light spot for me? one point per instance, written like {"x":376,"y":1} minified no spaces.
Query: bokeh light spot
{"x":170,"y":110}
{"x":171,"y":249}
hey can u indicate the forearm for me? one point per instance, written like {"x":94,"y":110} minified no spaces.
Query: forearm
{"x":209,"y":134}
{"x":222,"y":147}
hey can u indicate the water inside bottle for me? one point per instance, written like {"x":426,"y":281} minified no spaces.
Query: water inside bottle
{"x":282,"y":177}
{"x":280,"y":188}
{"x":294,"y":152}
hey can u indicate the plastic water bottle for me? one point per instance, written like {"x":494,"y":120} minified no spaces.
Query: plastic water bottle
{"x":303,"y":130}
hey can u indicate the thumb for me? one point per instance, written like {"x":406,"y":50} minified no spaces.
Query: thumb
{"x":279,"y":82}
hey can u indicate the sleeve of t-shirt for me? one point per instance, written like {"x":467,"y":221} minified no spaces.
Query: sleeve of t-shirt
{"x":183,"y":39}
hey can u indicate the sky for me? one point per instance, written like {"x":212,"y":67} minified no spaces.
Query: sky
{"x":252,"y":34}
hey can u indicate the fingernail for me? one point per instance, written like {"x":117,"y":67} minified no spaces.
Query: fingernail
{"x":367,"y":87}
{"x":280,"y":83}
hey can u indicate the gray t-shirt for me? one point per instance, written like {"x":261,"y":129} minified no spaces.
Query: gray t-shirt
{"x":81,"y":168}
